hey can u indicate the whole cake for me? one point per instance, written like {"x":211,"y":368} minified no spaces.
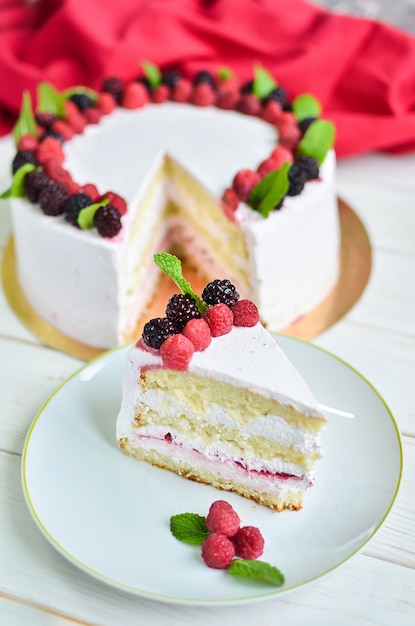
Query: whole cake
{"x":209,"y":394}
{"x":235,"y":177}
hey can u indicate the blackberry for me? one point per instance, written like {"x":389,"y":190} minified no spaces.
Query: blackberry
{"x":297,"y":179}
{"x":306,"y":123}
{"x":107,"y":221}
{"x":22,"y":157}
{"x":52,"y":198}
{"x":34,"y":182}
{"x":82,"y":101}
{"x":45,"y":119}
{"x":277,"y":95}
{"x":171,"y":78}
{"x":204,"y":77}
{"x":309,"y":165}
{"x":74,"y":205}
{"x":156,"y":331}
{"x":287,"y":107}
{"x":180,"y":309}
{"x":114,"y":86}
{"x":53,"y":134}
{"x":247,"y":87}
{"x":220,"y":291}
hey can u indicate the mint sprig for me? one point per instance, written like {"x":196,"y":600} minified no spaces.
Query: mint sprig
{"x":152,"y":73}
{"x":304,"y":106}
{"x":26,"y":123}
{"x":50,"y":100}
{"x":224,"y":73}
{"x":257,"y":570}
{"x":172,"y":266}
{"x":87,"y":214}
{"x":263,"y":83}
{"x":265,"y":196}
{"x":79,"y":89}
{"x":317,"y":140}
{"x":18,"y":186}
{"x":189,"y":527}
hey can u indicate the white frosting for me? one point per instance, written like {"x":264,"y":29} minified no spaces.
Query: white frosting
{"x":79,"y":282}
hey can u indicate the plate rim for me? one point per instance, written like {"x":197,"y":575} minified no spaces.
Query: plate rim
{"x":272,"y":593}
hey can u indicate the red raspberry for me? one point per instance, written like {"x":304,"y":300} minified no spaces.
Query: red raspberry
{"x":228,"y":85}
{"x":222,"y":519}
{"x":176,"y":352}
{"x":91,"y":191}
{"x":229,"y":203}
{"x":228,"y":101}
{"x":106,"y":103}
{"x":116,"y":201}
{"x":217,"y":551}
{"x":271,"y":112}
{"x":282,"y":155}
{"x":92,"y":115}
{"x":70,"y":107}
{"x":248,"y":542}
{"x":160,"y":94}
{"x":135,"y":96}
{"x":267,"y":166}
{"x":220,"y":319}
{"x":244,"y":182}
{"x":249,"y":104}
{"x":56,"y":172}
{"x":203,"y":95}
{"x":76,"y":121}
{"x":64,"y":129}
{"x":288,"y":131}
{"x":27,"y":143}
{"x":245,"y":313}
{"x":182,"y":90}
{"x":72,"y":187}
{"x":198,"y":331}
{"x":50,"y":148}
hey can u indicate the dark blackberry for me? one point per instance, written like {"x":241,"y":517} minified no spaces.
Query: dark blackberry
{"x":297,"y":179}
{"x":74,"y":205}
{"x":220,"y":291}
{"x":143,"y":80}
{"x":276,"y":95}
{"x":34,"y":183}
{"x":171,"y":78}
{"x":114,"y":86}
{"x":82,"y":101}
{"x":45,"y":119}
{"x":52,"y":198}
{"x":107,"y":221}
{"x":157,"y":330}
{"x":180,"y":309}
{"x":287,"y":107}
{"x":306,"y":123}
{"x":52,"y":133}
{"x":247,"y":87}
{"x":21,"y":158}
{"x":204,"y":78}
{"x":310,"y":167}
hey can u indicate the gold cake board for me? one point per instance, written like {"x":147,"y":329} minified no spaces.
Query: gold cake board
{"x":355,"y":267}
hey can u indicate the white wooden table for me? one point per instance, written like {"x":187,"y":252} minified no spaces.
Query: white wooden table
{"x":38,"y":587}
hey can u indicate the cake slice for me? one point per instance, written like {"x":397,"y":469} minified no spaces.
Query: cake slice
{"x":208,"y":393}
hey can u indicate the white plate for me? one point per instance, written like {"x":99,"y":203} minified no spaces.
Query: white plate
{"x":109,"y":514}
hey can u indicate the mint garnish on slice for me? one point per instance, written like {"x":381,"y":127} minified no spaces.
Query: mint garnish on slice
{"x":65,"y":95}
{"x":257,"y":570}
{"x":172,"y":266}
{"x":265,"y":196}
{"x":152,"y":73}
{"x":305,"y":106}
{"x":18,"y":188}
{"x":50,"y":100}
{"x":26,"y":123}
{"x":87,"y":214}
{"x":317,"y":140}
{"x":263,"y":83}
{"x":189,"y":527}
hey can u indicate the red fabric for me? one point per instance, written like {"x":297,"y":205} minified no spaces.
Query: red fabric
{"x":362,"y":71}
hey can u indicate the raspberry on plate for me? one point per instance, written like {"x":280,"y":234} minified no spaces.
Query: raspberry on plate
{"x":220,"y":319}
{"x":248,"y":542}
{"x":222,"y":519}
{"x":217,"y":551}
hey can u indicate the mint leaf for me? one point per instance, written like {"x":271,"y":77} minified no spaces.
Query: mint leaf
{"x":224,"y":73}
{"x":50,"y":100}
{"x":152,"y":72}
{"x":317,"y":140}
{"x":87,"y":214}
{"x":257,"y":570}
{"x":172,"y":266}
{"x":189,"y":527}
{"x":26,"y":123}
{"x":265,"y":196}
{"x":263,"y":82}
{"x":305,"y":106}
{"x":18,"y":188}
{"x":65,"y":95}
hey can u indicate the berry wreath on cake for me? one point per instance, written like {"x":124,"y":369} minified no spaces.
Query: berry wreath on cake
{"x":236,"y":178}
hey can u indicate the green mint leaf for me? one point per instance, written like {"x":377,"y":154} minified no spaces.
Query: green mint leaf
{"x":152,"y":72}
{"x":18,"y":187}
{"x":65,"y":95}
{"x":50,"y":100}
{"x":263,"y":83}
{"x":224,"y":73}
{"x":257,"y":570}
{"x":172,"y":266}
{"x":265,"y":196}
{"x":189,"y":527}
{"x":305,"y":106}
{"x":317,"y":140}
{"x":26,"y":123}
{"x":87,"y":214}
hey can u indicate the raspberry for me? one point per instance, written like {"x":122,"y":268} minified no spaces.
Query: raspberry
{"x":248,"y":542}
{"x":203,"y":95}
{"x":220,"y":291}
{"x":182,"y":91}
{"x":222,"y":519}
{"x":204,"y":78}
{"x":271,"y":112}
{"x":228,"y":100}
{"x":45,"y":119}
{"x":176,"y":352}
{"x":171,"y":78}
{"x":245,"y":313}
{"x":277,"y":95}
{"x":249,"y":104}
{"x":217,"y":551}
{"x":22,"y":158}
{"x":92,"y":115}
{"x":113,"y":86}
{"x":50,"y":148}
{"x":288,"y":131}
{"x":243,"y":183}
{"x":52,"y":198}
{"x":228,"y":85}
{"x":229,"y":203}
{"x":309,"y":166}
{"x":305,"y":124}
{"x":297,"y":179}
{"x":106,"y":103}
{"x":56,"y":172}
{"x":198,"y":331}
{"x":82,"y":101}
{"x":34,"y":183}
{"x":107,"y":221}
{"x":27,"y":143}
{"x":75,"y":119}
{"x":157,"y":330}
{"x":160,"y":94}
{"x":135,"y":96}
{"x":180,"y":309}
{"x":72,"y":187}
{"x":220,"y":319}
{"x":143,"y":80}
{"x":267,"y":166}
{"x":63,"y":129}
{"x":51,"y":134}
{"x":116,"y":201}
{"x":90,"y":190}
{"x":74,"y":205}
